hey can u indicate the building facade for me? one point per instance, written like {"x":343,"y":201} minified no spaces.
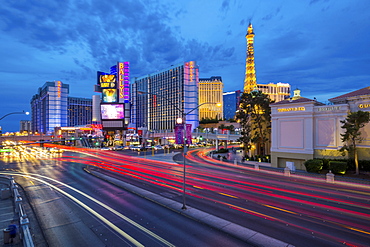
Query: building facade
{"x":52,"y":107}
{"x":231,"y":104}
{"x":49,"y":107}
{"x":276,"y":92}
{"x":210,"y":91}
{"x":304,"y":129}
{"x":25,"y":126}
{"x":79,"y":111}
{"x":158,"y":99}
{"x":96,"y":118}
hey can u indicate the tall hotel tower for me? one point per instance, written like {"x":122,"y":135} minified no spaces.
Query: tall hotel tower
{"x":158,"y":99}
{"x":210,"y":91}
{"x":250,"y":81}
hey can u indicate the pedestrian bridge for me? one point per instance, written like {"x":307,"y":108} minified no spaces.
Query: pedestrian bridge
{"x":196,"y":135}
{"x":155,"y":135}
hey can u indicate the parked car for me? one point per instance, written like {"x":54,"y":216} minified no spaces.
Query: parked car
{"x":135,"y":148}
{"x":158,"y":147}
{"x":118,"y":148}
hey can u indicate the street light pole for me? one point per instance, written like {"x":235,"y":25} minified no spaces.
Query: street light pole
{"x":22,"y":112}
{"x":184,"y":138}
{"x":183,"y":119}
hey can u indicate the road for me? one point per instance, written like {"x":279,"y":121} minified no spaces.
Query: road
{"x":302,"y":212}
{"x":77,"y":209}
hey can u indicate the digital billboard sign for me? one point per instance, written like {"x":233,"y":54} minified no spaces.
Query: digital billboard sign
{"x":106,"y":80}
{"x":109,"y":95}
{"x":112,"y":111}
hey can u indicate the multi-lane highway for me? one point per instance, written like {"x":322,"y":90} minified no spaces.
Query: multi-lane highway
{"x":77,"y":209}
{"x":302,"y":212}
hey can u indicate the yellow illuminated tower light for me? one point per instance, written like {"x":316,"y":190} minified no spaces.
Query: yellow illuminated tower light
{"x":250,"y":81}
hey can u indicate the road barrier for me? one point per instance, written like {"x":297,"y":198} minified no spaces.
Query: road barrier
{"x":25,"y":233}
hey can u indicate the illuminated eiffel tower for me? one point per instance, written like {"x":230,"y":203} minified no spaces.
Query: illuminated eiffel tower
{"x":250,"y":81}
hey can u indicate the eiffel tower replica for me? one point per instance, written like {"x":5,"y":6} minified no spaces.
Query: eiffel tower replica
{"x":250,"y":81}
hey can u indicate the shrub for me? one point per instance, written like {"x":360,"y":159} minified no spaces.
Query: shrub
{"x":222,"y":150}
{"x":338,"y":167}
{"x":313,"y":165}
{"x":364,"y":165}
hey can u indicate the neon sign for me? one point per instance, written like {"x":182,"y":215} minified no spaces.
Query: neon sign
{"x":123,"y":81}
{"x":59,"y":86}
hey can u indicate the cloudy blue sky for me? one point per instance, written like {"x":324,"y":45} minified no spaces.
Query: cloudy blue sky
{"x":319,"y":46}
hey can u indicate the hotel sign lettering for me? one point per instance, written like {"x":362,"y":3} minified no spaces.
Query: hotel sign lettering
{"x":329,"y":108}
{"x":291,"y":109}
{"x":362,"y":106}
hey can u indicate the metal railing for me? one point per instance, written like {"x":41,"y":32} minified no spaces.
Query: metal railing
{"x":23,"y":219}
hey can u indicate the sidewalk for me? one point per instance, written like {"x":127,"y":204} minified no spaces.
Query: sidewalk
{"x":7,"y":214}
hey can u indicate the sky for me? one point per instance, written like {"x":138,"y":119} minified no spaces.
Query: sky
{"x":318,"y":46}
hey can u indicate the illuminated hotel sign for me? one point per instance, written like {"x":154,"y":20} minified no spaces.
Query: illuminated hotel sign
{"x":59,"y":88}
{"x":330,"y":108}
{"x":291,"y":109}
{"x":123,"y":81}
{"x":362,"y":106}
{"x":191,"y":72}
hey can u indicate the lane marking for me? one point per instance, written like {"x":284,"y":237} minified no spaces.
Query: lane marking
{"x":122,"y":233}
{"x":227,"y":195}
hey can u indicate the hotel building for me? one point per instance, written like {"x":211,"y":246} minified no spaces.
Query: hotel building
{"x":276,"y":92}
{"x":231,"y":104}
{"x":52,"y":107}
{"x":304,"y":129}
{"x":210,"y":91}
{"x":158,"y":99}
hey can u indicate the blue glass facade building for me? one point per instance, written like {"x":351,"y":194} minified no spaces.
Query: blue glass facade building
{"x":169,"y":93}
{"x":231,"y":104}
{"x":51,"y":107}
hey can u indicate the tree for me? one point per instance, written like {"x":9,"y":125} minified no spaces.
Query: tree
{"x":352,"y":134}
{"x":255,"y":119}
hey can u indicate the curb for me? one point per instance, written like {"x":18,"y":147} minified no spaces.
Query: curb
{"x":242,"y":233}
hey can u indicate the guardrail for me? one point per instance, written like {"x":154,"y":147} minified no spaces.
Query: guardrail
{"x":23,"y":219}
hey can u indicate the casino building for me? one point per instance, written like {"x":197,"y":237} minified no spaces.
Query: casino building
{"x":159,"y":98}
{"x":210,"y":91}
{"x":304,"y":129}
{"x":52,"y":107}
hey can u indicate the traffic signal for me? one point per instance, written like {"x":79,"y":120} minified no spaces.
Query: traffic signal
{"x":72,"y":138}
{"x":200,"y":138}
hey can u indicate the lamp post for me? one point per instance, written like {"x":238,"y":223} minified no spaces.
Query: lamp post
{"x":22,"y":112}
{"x":182,"y":121}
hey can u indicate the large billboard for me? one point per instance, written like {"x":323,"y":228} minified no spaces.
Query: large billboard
{"x":112,"y":111}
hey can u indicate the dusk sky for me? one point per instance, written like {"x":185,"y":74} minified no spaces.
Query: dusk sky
{"x":319,"y":46}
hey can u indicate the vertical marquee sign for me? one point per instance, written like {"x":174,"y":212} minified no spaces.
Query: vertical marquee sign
{"x":123,"y":81}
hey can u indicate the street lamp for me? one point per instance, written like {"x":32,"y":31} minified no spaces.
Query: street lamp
{"x":22,"y":112}
{"x":182,"y":121}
